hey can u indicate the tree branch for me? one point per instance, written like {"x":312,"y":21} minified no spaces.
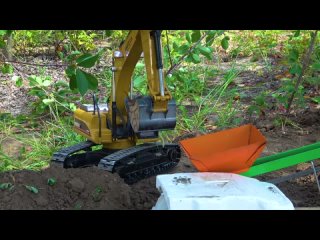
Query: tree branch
{"x":186,"y":54}
{"x":35,"y":64}
{"x":304,"y":66}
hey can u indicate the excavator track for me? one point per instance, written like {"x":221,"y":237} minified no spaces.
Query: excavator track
{"x":141,"y":161}
{"x":132,"y":164}
{"x":62,"y":155}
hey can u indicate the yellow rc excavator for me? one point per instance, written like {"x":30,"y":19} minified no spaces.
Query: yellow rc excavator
{"x":128,"y":126}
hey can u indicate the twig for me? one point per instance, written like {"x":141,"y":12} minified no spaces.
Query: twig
{"x":35,"y":64}
{"x":304,"y":66}
{"x":183,"y":56}
{"x":168,"y":48}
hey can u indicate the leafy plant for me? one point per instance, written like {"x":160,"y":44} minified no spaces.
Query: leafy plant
{"x":52,"y":97}
{"x":282,"y":94}
{"x":259,"y":105}
{"x":32,"y":189}
{"x":7,"y":68}
{"x":206,"y":105}
{"x":5,"y":186}
{"x":80,"y":79}
{"x":96,"y":195}
{"x":52,"y":181}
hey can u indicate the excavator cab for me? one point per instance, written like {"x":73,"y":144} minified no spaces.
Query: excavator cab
{"x":128,"y":127}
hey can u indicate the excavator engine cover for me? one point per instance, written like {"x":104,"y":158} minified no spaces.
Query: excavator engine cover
{"x":143,"y":119}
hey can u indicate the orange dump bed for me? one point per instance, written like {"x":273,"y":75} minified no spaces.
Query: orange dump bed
{"x":232,"y":150}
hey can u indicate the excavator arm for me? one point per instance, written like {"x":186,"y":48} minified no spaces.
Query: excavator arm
{"x":125,"y":60}
{"x":154,"y":112}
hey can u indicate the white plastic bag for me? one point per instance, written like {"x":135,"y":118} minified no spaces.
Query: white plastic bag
{"x":218,"y":191}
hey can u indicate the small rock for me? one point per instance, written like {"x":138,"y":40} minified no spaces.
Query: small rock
{"x":146,"y":205}
{"x":77,"y":185}
{"x":187,"y":165}
{"x":41,"y":201}
{"x":302,"y":167}
{"x":6,"y":199}
{"x":269,"y":126}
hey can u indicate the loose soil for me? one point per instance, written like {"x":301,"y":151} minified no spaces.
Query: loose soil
{"x":92,"y":188}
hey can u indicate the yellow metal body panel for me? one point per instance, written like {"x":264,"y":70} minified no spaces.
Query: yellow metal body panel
{"x":87,"y":124}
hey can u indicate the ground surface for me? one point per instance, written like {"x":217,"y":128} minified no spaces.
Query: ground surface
{"x":91,"y":188}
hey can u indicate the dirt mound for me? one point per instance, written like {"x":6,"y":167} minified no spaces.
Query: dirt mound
{"x":309,"y":118}
{"x":86,"y":188}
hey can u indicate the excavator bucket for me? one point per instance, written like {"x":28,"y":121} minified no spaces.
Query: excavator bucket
{"x":232,"y":150}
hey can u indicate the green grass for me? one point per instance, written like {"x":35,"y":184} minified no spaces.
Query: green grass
{"x":36,"y":147}
{"x":213,"y":102}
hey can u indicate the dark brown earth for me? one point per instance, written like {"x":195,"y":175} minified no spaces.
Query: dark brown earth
{"x":91,"y":188}
{"x":88,"y":188}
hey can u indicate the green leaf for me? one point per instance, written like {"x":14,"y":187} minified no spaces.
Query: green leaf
{"x":70,"y":71}
{"x":316,"y":66}
{"x":60,"y":55}
{"x":188,"y":37}
{"x":316,"y":99}
{"x":73,"y":82}
{"x":253,"y":109}
{"x":71,"y":74}
{"x":206,"y":51}
{"x":18,"y":80}
{"x":48,"y":101}
{"x":46,"y":83}
{"x":293,"y":55}
{"x":85,"y":81}
{"x":175,"y":46}
{"x":189,"y":58}
{"x":212,"y":33}
{"x":108,"y":33}
{"x":61,"y":83}
{"x":225,"y":42}
{"x":82,"y":82}
{"x":296,"y":33}
{"x":92,"y":80}
{"x":260,"y":100}
{"x":52,"y":181}
{"x":72,"y":106}
{"x":2,"y":43}
{"x":7,"y":68}
{"x":195,"y":58}
{"x":87,"y":60}
{"x":4,"y":186}
{"x":195,"y":36}
{"x":3,"y":32}
{"x":32,"y":80}
{"x":183,"y":49}
{"x":73,"y":55}
{"x":295,"y":69}
{"x":139,"y":82}
{"x":32,"y":189}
